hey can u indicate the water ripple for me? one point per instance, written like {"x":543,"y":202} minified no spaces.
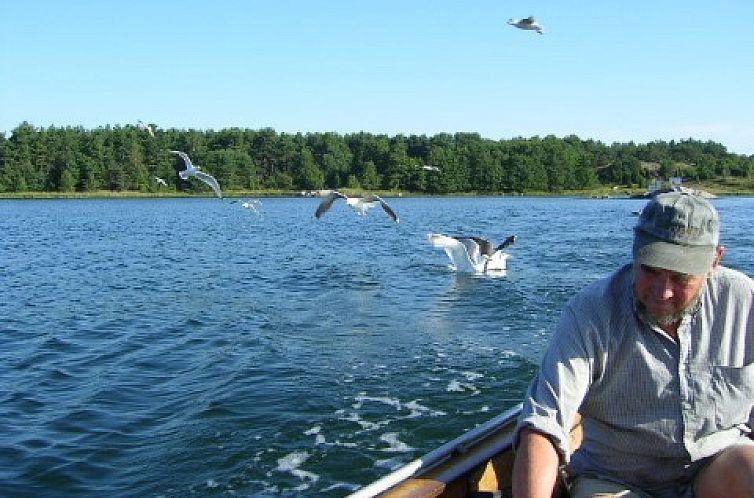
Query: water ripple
{"x":276,"y":355}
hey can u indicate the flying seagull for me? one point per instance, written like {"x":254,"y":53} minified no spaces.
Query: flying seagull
{"x":359,"y":204}
{"x":160,"y":181}
{"x":254,"y":205}
{"x":146,"y":127}
{"x":192,"y":170}
{"x":473,"y":254}
{"x":527,"y":23}
{"x":428,"y":167}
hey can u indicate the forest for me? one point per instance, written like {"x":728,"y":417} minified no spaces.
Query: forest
{"x":130,"y":157}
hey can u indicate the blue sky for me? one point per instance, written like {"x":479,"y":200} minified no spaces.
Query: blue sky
{"x":611,"y":71}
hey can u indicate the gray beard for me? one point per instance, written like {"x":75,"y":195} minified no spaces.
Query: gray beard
{"x":673,"y":318}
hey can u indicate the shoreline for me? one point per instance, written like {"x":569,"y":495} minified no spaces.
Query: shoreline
{"x":600,"y":193}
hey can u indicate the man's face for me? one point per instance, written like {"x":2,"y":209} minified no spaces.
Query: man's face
{"x":666,"y":295}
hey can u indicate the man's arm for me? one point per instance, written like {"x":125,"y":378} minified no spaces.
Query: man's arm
{"x":535,"y":470}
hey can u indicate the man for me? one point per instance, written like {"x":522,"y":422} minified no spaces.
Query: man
{"x":658,"y":359}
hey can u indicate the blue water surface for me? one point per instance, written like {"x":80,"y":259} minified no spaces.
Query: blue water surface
{"x":176,"y":347}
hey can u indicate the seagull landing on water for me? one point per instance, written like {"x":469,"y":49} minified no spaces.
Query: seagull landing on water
{"x":192,"y":170}
{"x":160,"y":181}
{"x":473,"y":254}
{"x":528,"y":23}
{"x":359,"y":204}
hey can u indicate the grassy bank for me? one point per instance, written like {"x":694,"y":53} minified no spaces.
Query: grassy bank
{"x":719,"y":187}
{"x":134,"y":194}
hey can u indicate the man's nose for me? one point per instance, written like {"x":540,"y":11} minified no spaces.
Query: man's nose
{"x":664,"y":287}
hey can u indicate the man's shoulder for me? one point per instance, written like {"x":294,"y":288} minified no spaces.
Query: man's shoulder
{"x":729,"y":278}
{"x":616,"y":286}
{"x":604,"y":302}
{"x":731,"y":273}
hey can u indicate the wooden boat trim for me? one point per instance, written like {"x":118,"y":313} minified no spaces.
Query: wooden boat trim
{"x":431,"y":474}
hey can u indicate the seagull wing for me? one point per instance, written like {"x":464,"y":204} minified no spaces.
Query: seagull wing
{"x":473,"y":249}
{"x":389,"y":211}
{"x":456,"y":251}
{"x":210,"y":180}
{"x":484,"y":245}
{"x":185,"y":157}
{"x":385,"y":207}
{"x":369,"y":200}
{"x":326,"y":203}
{"x":507,"y":242}
{"x":190,"y":168}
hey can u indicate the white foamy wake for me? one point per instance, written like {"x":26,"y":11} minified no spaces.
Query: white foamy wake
{"x":365,"y":424}
{"x":483,"y":409}
{"x":472,"y":375}
{"x":406,"y":410}
{"x":316,"y":431}
{"x":415,"y":408}
{"x":395,"y":445}
{"x":459,"y":387}
{"x":320,"y":439}
{"x":292,"y":463}
{"x":390,"y":463}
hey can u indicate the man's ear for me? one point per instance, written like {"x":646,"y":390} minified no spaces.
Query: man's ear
{"x":718,"y":256}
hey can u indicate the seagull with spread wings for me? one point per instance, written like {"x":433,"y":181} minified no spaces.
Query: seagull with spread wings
{"x":254,"y":205}
{"x":192,"y":170}
{"x":359,"y":204}
{"x":473,"y":254}
{"x":528,"y":23}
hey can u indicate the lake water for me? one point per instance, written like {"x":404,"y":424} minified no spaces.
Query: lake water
{"x":188,"y":347}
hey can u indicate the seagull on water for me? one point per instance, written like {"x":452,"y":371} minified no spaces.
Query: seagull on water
{"x":359,"y":204}
{"x":527,"y":23}
{"x":473,"y":254}
{"x":192,"y":170}
{"x":160,"y":181}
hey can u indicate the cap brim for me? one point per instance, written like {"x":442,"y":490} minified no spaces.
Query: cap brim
{"x":692,"y":260}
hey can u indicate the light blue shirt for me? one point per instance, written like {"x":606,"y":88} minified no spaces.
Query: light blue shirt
{"x":650,"y":406}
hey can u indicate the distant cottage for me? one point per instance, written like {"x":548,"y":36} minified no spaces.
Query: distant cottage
{"x":658,"y":186}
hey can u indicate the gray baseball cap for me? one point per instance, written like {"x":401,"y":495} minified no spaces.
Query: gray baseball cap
{"x":677,"y":231}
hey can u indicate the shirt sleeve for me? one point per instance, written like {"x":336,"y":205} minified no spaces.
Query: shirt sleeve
{"x":558,"y":389}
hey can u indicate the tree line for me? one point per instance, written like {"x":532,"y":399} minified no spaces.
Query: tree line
{"x":128,"y":158}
